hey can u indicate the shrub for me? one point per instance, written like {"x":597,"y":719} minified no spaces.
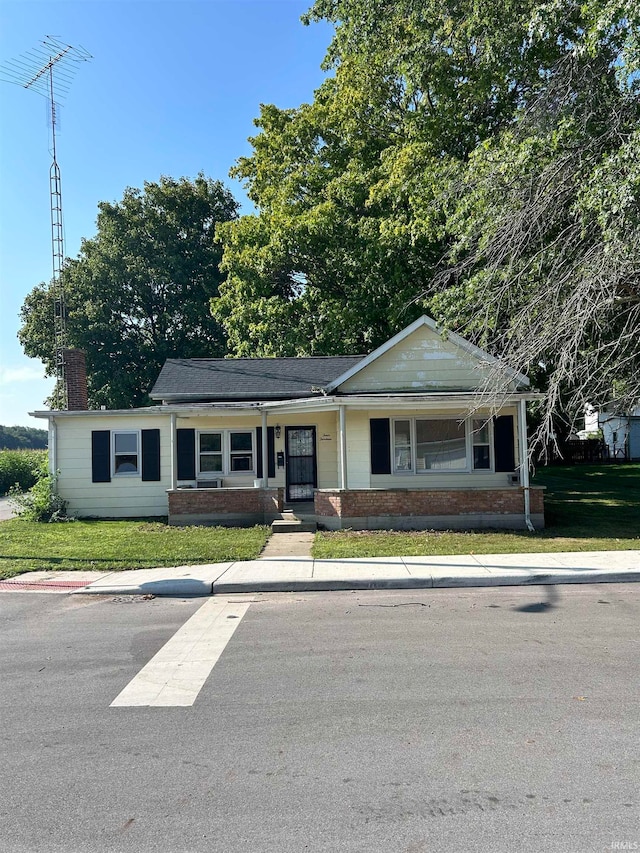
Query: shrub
{"x":40,"y":503}
{"x":21,"y":468}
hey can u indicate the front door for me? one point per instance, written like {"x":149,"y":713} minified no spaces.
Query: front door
{"x":301,"y":468}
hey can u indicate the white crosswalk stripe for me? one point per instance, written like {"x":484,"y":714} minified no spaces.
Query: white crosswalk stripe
{"x":176,"y":674}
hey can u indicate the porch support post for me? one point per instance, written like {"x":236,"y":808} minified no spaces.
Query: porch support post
{"x":173,"y":446}
{"x":343,"y":448}
{"x":524,"y":462}
{"x":265,"y":451}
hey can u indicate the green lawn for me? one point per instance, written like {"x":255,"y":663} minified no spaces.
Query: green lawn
{"x":587,"y":508}
{"x":115,"y":545}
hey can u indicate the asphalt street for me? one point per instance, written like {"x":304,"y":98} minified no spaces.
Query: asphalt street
{"x":466,"y":720}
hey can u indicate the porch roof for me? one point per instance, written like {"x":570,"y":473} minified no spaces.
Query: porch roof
{"x":467,"y":401}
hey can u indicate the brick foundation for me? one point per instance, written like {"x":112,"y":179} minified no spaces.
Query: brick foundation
{"x":427,"y":508}
{"x":227,"y":507}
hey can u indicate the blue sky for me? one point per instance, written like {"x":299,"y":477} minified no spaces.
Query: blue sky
{"x":172,"y":89}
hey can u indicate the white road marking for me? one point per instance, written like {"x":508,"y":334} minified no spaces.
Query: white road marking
{"x":176,"y":674}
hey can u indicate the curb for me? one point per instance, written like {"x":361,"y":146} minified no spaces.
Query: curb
{"x":194,"y":588}
{"x":453,"y":582}
{"x":180,"y":588}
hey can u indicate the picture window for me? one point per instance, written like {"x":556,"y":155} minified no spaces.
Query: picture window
{"x":427,"y":445}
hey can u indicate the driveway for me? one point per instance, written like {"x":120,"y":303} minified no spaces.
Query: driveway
{"x":6,"y":510}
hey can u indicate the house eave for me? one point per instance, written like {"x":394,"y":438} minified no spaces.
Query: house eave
{"x":186,"y":399}
{"x":410,"y":400}
{"x":468,"y":400}
{"x":231,"y":408}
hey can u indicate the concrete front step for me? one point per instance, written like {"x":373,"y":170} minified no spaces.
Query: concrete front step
{"x":293,"y":525}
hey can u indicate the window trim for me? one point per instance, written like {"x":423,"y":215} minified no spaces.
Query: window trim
{"x":235,"y":453}
{"x":206,"y":475}
{"x":467,"y":422}
{"x":225,"y":434}
{"x":138,"y":472}
{"x":412,"y":443}
{"x":492,"y":456}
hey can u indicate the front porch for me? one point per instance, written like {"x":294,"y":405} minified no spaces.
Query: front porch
{"x":236,"y":507}
{"x":429,"y":509}
{"x":362,"y":509}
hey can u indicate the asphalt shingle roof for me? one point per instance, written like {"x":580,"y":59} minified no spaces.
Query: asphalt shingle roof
{"x":233,"y":379}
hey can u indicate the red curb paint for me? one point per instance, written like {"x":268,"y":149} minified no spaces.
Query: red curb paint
{"x":43,"y":584}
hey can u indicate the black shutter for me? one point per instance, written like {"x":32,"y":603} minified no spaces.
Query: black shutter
{"x":503,"y":444}
{"x":186,"y":451}
{"x":258,"y":452}
{"x":150,"y":454}
{"x":271,"y":452}
{"x":100,"y":456}
{"x":380,"y":445}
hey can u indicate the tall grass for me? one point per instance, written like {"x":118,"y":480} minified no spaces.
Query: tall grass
{"x":22,"y":468}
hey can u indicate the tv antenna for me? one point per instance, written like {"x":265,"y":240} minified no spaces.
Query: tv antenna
{"x":51,"y":61}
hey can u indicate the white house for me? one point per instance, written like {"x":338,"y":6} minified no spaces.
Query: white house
{"x":620,"y":431}
{"x":405,"y":437}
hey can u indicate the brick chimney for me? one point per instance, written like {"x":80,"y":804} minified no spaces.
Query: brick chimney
{"x":75,"y":371}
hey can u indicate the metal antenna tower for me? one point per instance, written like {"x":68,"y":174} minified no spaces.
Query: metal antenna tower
{"x":37,"y":70}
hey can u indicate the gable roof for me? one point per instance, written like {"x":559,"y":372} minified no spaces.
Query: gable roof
{"x":465,"y":347}
{"x":426,"y":362}
{"x":218,"y":379}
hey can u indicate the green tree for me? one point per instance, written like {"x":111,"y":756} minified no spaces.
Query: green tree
{"x":349,"y":189}
{"x":476,"y":161}
{"x":139,"y":291}
{"x":23,"y":438}
{"x":545,"y":233}
{"x":309,"y":272}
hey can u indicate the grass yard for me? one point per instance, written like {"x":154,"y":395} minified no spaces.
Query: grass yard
{"x":587,"y":508}
{"x":115,"y":545}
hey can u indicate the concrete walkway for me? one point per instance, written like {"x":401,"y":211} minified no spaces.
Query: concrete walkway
{"x":294,"y":574}
{"x":287,"y":545}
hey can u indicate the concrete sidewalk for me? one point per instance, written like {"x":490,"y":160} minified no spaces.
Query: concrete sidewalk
{"x":295,"y":574}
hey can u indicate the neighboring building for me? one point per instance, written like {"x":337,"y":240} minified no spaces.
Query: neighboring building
{"x":620,"y":432}
{"x":402,"y":438}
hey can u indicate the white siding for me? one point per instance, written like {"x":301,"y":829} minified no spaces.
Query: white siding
{"x":616,"y":435}
{"x":359,"y":449}
{"x":241,"y":421}
{"x":516,"y":433}
{"x":453,"y":480}
{"x":123,"y":497}
{"x":327,"y":444}
{"x":129,"y":496}
{"x":359,"y":456}
{"x":326,"y":441}
{"x":422,"y":361}
{"x":634,"y":438}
